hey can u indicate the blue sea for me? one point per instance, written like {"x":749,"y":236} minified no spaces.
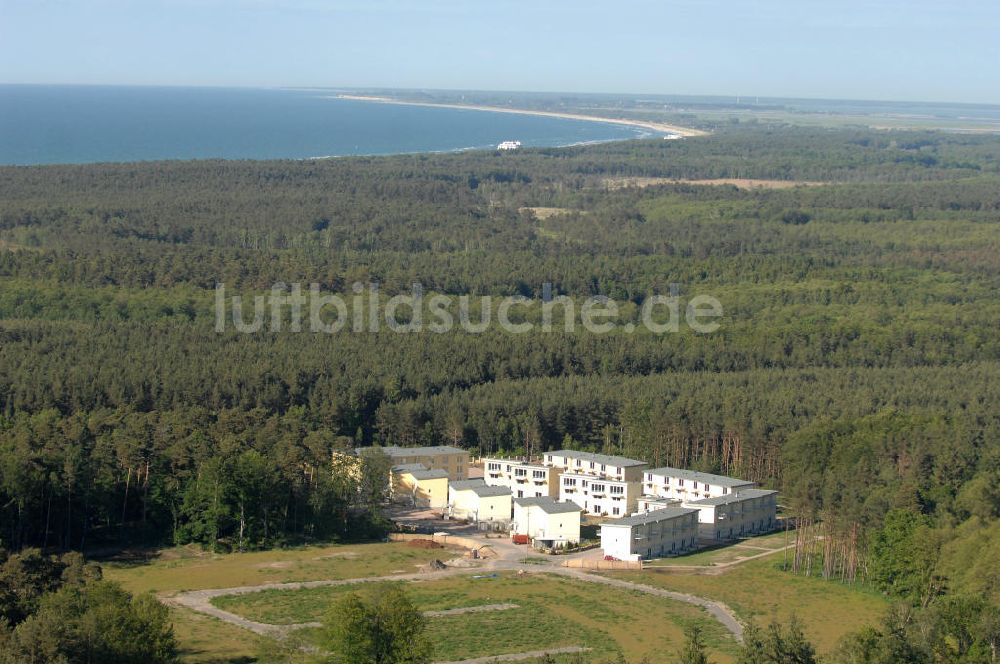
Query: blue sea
{"x":80,"y":124}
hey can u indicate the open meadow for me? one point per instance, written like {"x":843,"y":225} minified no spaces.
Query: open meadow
{"x":759,"y":590}
{"x":550,"y":612}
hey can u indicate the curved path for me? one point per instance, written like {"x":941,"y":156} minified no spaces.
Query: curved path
{"x":201,"y":600}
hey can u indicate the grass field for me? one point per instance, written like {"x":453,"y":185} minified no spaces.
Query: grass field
{"x":192,"y":569}
{"x":757,"y":589}
{"x":724,"y":553}
{"x":552,"y":612}
{"x":207,"y":640}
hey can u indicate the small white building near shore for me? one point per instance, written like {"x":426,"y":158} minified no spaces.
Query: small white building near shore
{"x":649,"y":535}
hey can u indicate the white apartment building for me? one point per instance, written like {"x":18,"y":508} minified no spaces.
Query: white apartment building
{"x":680,"y":484}
{"x":547,"y":522}
{"x":599,"y":496}
{"x":737,"y":514}
{"x":523,"y":478}
{"x":475,"y":501}
{"x":601,"y":465}
{"x":599,"y":484}
{"x":655,"y":534}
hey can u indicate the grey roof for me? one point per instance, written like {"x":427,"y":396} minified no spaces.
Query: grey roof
{"x":694,"y":475}
{"x":548,"y":505}
{"x":516,"y":462}
{"x":742,"y":494}
{"x":487,"y":491}
{"x":409,"y":466}
{"x":606,"y":459}
{"x":479,"y":487}
{"x":467,"y":484}
{"x":655,"y":516}
{"x":393,"y":450}
{"x":434,"y":474}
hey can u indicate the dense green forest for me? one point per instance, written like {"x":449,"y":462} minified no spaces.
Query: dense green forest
{"x":856,"y":368}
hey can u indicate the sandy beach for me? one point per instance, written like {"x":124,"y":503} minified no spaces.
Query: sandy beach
{"x":655,"y":126}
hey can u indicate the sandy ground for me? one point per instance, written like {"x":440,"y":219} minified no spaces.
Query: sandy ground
{"x":655,"y":126}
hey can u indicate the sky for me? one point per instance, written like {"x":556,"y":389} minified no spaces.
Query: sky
{"x":912,"y":50}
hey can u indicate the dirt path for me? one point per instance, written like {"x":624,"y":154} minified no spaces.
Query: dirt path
{"x":470,"y":609}
{"x":721,"y":568}
{"x":201,"y":600}
{"x":722,"y":613}
{"x":518,"y":656}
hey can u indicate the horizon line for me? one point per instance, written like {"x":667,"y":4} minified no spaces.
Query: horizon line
{"x":220,"y":86}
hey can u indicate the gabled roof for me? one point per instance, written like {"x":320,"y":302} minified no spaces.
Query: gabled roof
{"x":606,"y":459}
{"x":433,"y":474}
{"x":396,"y":451}
{"x":735,"y":497}
{"x":406,"y":467}
{"x":516,"y":462}
{"x":491,"y":491}
{"x":479,"y":487}
{"x":548,"y":505}
{"x":461,"y":485}
{"x":664,"y":514}
{"x":695,"y":476}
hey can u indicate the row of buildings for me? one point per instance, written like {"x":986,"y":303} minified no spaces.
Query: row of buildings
{"x":651,"y":512}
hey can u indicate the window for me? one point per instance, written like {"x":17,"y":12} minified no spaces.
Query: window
{"x":615,"y":511}
{"x":618,"y":489}
{"x":649,"y":477}
{"x":538,"y":474}
{"x":680,"y":482}
{"x":708,"y":488}
{"x":725,"y":490}
{"x":549,"y":458}
{"x":578,"y":463}
{"x":569,"y":481}
{"x":520,"y":472}
{"x":592,"y":465}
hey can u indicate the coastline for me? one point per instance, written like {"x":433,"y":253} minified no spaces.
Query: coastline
{"x":685,"y":132}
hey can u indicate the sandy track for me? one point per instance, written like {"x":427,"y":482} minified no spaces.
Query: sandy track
{"x":201,"y":600}
{"x":517,"y":656}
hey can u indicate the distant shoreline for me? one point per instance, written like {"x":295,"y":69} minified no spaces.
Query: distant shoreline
{"x":662,"y":127}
